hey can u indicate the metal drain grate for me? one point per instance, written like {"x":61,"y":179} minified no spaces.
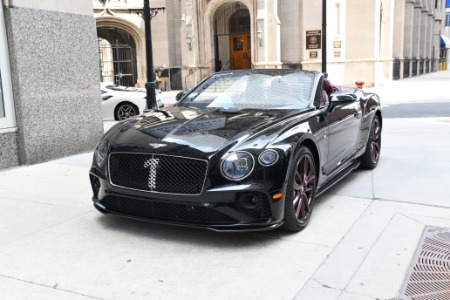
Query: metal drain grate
{"x":429,"y":274}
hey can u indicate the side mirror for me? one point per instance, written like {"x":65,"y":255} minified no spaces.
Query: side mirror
{"x":338,"y":98}
{"x":180,"y":95}
{"x":343,"y":98}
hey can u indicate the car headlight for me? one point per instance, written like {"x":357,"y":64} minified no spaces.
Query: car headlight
{"x":268,"y":157}
{"x":237,"y":165}
{"x":101,"y":153}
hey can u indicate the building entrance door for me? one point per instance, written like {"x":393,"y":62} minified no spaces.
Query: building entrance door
{"x":117,"y":51}
{"x":240,"y":53}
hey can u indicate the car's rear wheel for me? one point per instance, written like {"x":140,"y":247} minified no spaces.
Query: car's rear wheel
{"x":371,"y":156}
{"x":125,"y":110}
{"x":300,"y":190}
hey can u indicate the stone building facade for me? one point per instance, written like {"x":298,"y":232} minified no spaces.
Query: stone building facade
{"x":369,"y":40}
{"x":445,"y":39}
{"x":50,"y":104}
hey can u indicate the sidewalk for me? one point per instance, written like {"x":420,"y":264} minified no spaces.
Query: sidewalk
{"x":169,"y":97}
{"x":359,"y":245}
{"x":433,"y":87}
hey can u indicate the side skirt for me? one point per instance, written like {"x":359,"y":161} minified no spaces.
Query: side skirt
{"x":354,"y":165}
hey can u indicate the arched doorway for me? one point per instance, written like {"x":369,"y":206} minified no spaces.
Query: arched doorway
{"x":232,"y":39}
{"x":117,"y":50}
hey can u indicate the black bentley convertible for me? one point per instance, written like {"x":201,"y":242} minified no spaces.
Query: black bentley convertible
{"x":243,"y":150}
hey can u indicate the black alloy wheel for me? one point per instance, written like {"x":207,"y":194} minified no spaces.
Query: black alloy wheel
{"x":300,"y":191}
{"x":371,"y":156}
{"x":125,"y":110}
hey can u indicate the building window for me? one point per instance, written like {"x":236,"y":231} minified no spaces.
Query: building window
{"x":447,"y":3}
{"x":240,"y":21}
{"x":447,"y":20}
{"x":7,"y":114}
{"x":2,"y":106}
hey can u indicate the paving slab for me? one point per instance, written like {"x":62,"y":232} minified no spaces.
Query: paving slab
{"x":16,"y":289}
{"x":50,"y":183}
{"x":373,"y":258}
{"x":113,"y":258}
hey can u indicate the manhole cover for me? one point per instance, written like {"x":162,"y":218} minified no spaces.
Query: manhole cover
{"x":429,"y":275}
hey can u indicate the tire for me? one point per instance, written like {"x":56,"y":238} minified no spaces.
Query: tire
{"x":370,"y":158}
{"x":300,"y":191}
{"x":125,"y":110}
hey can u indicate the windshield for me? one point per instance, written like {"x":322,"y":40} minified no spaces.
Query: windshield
{"x":236,"y":91}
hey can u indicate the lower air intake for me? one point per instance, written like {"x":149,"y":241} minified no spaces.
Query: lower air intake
{"x":166,"y":211}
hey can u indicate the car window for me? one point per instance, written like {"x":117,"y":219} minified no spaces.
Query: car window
{"x":237,"y":91}
{"x":120,"y":88}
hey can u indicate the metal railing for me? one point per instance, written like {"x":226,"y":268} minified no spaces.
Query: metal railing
{"x":406,"y":67}
{"x":421,"y":66}
{"x":414,"y":67}
{"x":396,"y":70}
{"x":195,"y":70}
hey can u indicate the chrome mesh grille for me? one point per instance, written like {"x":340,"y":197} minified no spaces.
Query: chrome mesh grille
{"x":158,"y":173}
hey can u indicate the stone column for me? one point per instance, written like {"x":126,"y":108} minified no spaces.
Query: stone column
{"x":399,"y":28}
{"x":416,"y":37}
{"x":429,"y":39}
{"x":361,"y":15}
{"x":268,"y":23}
{"x":436,"y":44}
{"x":292,"y":43}
{"x":408,"y":37}
{"x":423,"y":32}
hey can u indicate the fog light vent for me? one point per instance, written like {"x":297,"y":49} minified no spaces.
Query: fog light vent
{"x":254,"y":204}
{"x":248,"y":201}
{"x":95,"y":183}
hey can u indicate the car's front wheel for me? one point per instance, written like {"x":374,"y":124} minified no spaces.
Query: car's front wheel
{"x":300,"y":190}
{"x":371,"y":156}
{"x":125,"y":110}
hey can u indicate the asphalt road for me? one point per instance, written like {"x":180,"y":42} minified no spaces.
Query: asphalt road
{"x":429,"y":109}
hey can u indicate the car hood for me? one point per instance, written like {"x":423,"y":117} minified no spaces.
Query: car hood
{"x":180,"y":130}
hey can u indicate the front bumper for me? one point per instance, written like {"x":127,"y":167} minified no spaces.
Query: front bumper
{"x":229,"y":208}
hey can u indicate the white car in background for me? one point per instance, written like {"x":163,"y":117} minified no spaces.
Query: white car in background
{"x":121,"y":102}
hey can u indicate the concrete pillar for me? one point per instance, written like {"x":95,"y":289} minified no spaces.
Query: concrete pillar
{"x":363,"y":29}
{"x":387,"y":40}
{"x":292,"y":43}
{"x":408,"y":37}
{"x":408,"y":29}
{"x":399,"y":28}
{"x":268,"y":22}
{"x":416,"y":25}
{"x":423,"y":32}
{"x":436,"y":44}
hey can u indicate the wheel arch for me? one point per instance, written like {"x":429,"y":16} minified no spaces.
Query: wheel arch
{"x":116,"y":108}
{"x":378,"y":113}
{"x":311,"y":145}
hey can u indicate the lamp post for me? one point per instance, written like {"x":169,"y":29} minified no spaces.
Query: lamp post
{"x":324,"y":36}
{"x":150,"y":86}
